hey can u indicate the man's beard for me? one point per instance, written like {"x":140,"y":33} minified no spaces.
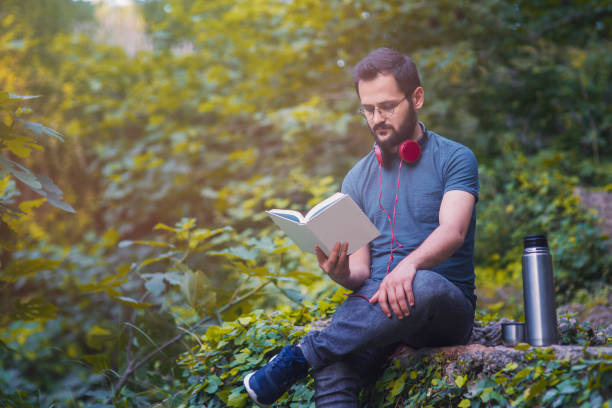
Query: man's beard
{"x":405,"y":131}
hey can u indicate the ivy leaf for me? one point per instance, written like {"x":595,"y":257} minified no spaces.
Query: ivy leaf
{"x":237,"y":399}
{"x":465,"y":403}
{"x":398,"y":385}
{"x":212,"y":384}
{"x":567,"y":387}
{"x":460,"y":380}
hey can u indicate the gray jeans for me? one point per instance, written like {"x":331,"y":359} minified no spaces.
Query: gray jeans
{"x":351,"y":352}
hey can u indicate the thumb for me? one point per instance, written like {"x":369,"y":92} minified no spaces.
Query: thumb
{"x":374,"y":298}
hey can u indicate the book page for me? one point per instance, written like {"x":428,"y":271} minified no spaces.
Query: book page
{"x":289,"y":214}
{"x":299,"y":233}
{"x":343,"y":222}
{"x":323,"y":205}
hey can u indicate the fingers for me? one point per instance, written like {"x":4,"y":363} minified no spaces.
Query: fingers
{"x":343,"y":256}
{"x":321,"y":258}
{"x":395,"y":295}
{"x":408,"y":291}
{"x":382,"y":301}
{"x":333,"y":256}
{"x":337,"y":260}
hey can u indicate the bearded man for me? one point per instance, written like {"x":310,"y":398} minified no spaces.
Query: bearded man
{"x":414,"y":284}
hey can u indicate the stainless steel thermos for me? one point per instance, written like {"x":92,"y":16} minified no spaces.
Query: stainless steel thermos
{"x":539,"y":292}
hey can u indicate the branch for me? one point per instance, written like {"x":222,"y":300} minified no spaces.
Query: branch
{"x":134,"y":365}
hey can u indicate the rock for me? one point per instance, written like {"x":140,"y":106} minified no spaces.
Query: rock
{"x":486,"y":354}
{"x":489,"y":360}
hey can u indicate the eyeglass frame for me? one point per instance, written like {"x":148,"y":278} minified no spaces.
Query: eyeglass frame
{"x":384,"y":113}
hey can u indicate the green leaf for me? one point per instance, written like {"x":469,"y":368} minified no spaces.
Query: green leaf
{"x":237,"y":399}
{"x":157,"y":259}
{"x":237,"y":252}
{"x":465,"y":403}
{"x":132,"y":302}
{"x":25,"y":268}
{"x":40,"y":129}
{"x":510,"y":367}
{"x":98,"y":336}
{"x":23,"y":97}
{"x":522,"y":347}
{"x":212,"y":384}
{"x":398,"y":385}
{"x":53,"y":194}
{"x":99,"y":362}
{"x":32,"y":309}
{"x":523,"y":373}
{"x":155,"y":284}
{"x":567,"y":387}
{"x":21,"y":173}
{"x":460,"y":380}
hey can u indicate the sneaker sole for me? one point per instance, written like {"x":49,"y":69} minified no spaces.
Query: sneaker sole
{"x":251,"y":392}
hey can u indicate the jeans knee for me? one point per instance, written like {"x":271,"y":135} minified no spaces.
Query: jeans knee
{"x":430,"y":288}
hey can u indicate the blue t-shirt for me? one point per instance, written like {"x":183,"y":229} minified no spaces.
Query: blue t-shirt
{"x":443,"y":166}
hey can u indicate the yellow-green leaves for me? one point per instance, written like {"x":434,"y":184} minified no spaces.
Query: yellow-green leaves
{"x":460,"y":380}
{"x":26,"y":268}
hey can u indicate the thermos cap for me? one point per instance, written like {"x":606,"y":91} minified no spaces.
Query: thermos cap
{"x":536,"y":240}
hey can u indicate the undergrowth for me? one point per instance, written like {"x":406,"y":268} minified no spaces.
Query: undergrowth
{"x":214,"y":369}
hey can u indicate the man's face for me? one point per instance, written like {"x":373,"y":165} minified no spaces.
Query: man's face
{"x":388,"y":130}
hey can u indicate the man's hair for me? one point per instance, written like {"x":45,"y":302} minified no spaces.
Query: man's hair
{"x":387,"y":61}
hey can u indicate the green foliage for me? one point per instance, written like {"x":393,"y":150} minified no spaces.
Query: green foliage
{"x":537,"y":380}
{"x":243,"y":106}
{"x":17,"y":136}
{"x":523,"y":196}
{"x":216,"y":365}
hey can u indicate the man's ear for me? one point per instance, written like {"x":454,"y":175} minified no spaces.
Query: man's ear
{"x":418,"y":97}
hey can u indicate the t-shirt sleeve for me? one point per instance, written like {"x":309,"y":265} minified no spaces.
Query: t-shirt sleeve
{"x":461,"y":172}
{"x":349,"y":187}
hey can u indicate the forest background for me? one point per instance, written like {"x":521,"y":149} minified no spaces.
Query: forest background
{"x":137,"y":262}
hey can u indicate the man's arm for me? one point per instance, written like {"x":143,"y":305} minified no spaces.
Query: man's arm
{"x":455,"y":214}
{"x":349,"y":271}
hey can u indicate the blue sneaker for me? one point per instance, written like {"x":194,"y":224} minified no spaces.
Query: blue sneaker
{"x":270,"y":382}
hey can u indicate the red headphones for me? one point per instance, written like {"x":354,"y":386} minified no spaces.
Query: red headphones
{"x":409,"y":151}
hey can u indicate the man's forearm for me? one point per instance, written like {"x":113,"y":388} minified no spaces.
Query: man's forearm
{"x":439,"y":246}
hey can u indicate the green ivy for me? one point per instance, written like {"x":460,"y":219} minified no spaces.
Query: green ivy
{"x":225,"y":354}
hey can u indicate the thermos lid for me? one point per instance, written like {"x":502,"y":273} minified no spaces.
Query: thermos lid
{"x":536,"y":240}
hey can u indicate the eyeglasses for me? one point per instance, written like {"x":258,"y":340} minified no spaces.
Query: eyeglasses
{"x":385,"y":110}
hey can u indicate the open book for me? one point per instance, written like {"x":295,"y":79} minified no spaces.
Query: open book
{"x":335,"y":219}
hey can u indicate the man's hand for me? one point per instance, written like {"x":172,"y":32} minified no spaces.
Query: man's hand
{"x":394,"y":289}
{"x":337,"y":264}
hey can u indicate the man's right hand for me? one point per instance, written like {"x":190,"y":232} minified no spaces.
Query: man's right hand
{"x":337,"y":264}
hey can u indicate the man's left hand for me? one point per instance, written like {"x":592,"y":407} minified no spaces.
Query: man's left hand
{"x":395,"y":289}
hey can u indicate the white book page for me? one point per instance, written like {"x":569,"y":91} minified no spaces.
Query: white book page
{"x":322,"y":205}
{"x":299,"y":233}
{"x":343,"y":222}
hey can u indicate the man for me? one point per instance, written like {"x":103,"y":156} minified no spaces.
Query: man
{"x":414,"y":284}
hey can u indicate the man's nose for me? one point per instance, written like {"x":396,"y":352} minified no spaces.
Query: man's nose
{"x":378,"y":116}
